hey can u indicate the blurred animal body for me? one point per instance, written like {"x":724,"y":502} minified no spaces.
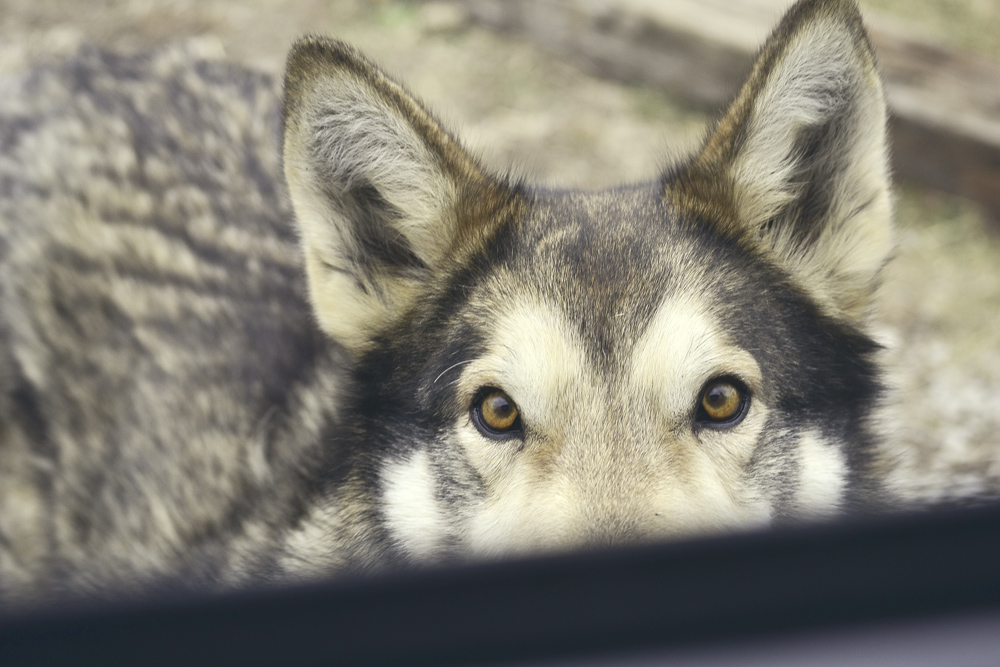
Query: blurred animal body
{"x":213,"y":377}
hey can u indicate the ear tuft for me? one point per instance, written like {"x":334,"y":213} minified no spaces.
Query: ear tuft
{"x":798,"y":164}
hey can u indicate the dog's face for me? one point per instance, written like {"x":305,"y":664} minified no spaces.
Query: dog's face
{"x":538,"y":370}
{"x":605,"y":370}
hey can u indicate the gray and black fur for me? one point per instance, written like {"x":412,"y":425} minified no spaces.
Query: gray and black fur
{"x":163,"y":382}
{"x":181,"y":402}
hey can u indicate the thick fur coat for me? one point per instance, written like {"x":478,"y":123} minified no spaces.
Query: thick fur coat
{"x":214,"y":376}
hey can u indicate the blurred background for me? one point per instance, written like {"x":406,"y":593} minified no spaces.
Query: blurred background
{"x":562,"y":116}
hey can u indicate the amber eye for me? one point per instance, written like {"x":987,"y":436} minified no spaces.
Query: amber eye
{"x":723,"y":403}
{"x":495,"y":414}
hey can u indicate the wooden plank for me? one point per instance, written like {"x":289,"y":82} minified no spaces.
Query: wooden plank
{"x":945,"y":105}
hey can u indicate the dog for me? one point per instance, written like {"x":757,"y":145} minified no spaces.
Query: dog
{"x":212,"y":377}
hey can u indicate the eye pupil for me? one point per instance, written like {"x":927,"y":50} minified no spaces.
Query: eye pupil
{"x":719,"y":395}
{"x":500,"y":405}
{"x":723,"y":401}
{"x":497,"y":412}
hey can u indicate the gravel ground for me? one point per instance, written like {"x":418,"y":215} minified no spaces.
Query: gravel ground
{"x":517,"y":106}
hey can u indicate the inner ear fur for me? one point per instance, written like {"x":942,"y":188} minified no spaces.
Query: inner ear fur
{"x":798,"y":164}
{"x":382,"y":194}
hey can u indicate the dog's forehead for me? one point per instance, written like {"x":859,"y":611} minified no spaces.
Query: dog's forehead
{"x":623,"y":238}
{"x":610,"y":258}
{"x":582,"y":223}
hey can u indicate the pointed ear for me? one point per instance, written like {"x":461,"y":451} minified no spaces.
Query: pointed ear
{"x":799,"y":161}
{"x":382,"y":194}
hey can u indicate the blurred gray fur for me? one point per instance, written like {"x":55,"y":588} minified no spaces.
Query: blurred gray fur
{"x":166,"y":287}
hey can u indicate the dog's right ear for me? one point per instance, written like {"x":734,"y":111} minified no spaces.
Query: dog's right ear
{"x":382,"y":193}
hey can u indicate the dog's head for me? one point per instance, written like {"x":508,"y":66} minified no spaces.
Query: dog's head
{"x":541,"y":369}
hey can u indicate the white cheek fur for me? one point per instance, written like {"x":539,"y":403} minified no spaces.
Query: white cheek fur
{"x":412,"y":511}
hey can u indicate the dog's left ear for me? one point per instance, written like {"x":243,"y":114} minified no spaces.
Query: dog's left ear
{"x":799,"y":161}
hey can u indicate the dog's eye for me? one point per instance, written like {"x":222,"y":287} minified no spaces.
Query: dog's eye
{"x":495,"y":414}
{"x":723,"y":403}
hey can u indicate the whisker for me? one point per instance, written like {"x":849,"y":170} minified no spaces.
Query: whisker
{"x":441,"y":374}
